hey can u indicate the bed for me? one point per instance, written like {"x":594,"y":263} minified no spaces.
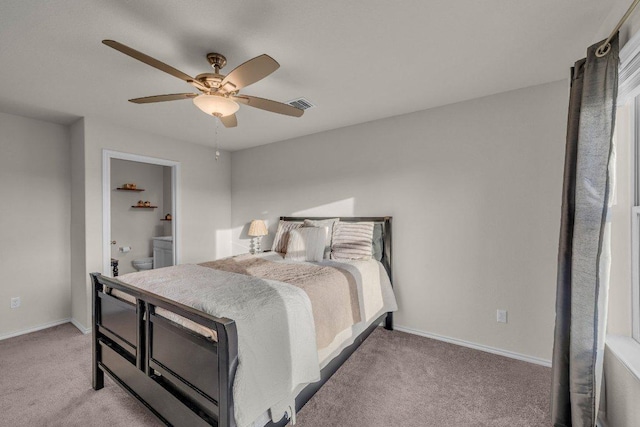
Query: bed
{"x":183,"y":363}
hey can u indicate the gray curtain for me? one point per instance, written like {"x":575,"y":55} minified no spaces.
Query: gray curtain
{"x":583,"y":250}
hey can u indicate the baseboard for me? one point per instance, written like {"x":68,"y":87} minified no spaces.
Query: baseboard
{"x":34,"y":329}
{"x":481,"y":347}
{"x":80,"y":326}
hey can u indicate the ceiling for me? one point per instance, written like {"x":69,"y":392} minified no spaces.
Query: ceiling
{"x":358,"y":60}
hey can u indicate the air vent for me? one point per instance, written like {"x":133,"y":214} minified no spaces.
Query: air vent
{"x":301,"y":103}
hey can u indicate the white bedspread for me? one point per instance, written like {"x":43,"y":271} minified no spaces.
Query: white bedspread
{"x":276,"y":339}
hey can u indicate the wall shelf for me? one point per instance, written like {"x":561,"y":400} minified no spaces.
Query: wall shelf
{"x":144,"y":207}
{"x":130,"y":189}
{"x":165,"y":219}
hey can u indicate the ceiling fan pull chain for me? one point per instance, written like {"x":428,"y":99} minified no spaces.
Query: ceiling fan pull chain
{"x":216,"y":139}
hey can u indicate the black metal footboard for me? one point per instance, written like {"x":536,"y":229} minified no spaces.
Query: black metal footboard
{"x":182,"y":377}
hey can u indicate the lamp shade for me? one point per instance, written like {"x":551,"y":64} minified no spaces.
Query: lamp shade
{"x":257,"y":228}
{"x":216,"y":105}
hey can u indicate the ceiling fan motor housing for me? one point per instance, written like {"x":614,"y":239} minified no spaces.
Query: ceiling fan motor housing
{"x":210,"y":80}
{"x":216,"y":60}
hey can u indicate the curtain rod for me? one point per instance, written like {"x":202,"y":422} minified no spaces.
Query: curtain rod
{"x":606,"y":46}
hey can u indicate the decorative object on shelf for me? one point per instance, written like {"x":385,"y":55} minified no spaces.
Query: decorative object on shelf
{"x":168,"y":217}
{"x":147,"y":204}
{"x":141,"y":203}
{"x":257,"y":229}
{"x":129,"y":186}
{"x":114,"y":267}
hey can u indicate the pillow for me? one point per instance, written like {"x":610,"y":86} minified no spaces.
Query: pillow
{"x":282,"y":235}
{"x":352,"y":240}
{"x":329,"y":225}
{"x":306,"y":244}
{"x":377,"y":242}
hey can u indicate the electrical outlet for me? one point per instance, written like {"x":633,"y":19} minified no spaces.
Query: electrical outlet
{"x":15,"y":302}
{"x":501,"y":316}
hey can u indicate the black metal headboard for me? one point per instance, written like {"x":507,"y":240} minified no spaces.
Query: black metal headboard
{"x":385,"y":221}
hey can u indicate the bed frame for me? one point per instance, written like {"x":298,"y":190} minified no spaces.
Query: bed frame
{"x":180,"y":376}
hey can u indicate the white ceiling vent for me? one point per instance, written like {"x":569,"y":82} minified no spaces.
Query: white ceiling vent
{"x":301,"y":103}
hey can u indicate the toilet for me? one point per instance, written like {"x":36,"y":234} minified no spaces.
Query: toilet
{"x":143,"y":264}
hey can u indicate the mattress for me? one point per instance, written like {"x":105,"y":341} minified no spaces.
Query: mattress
{"x":358,"y":298}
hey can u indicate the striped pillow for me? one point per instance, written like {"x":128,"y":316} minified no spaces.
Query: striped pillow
{"x":306,"y":244}
{"x":282,"y":235}
{"x":352,"y":240}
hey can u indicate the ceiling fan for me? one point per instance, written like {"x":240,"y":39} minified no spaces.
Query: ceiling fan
{"x":218,"y":92}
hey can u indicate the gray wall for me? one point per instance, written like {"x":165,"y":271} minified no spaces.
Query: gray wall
{"x":475,"y":192}
{"x":34,"y":223}
{"x":78,"y":224}
{"x":135,"y":227}
{"x":204,"y":199}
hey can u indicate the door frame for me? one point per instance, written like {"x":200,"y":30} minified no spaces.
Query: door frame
{"x":107,"y":155}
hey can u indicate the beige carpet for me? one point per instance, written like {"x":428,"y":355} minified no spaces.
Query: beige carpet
{"x":394,"y":379}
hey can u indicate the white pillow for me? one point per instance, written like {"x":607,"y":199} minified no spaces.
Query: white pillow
{"x":306,"y":244}
{"x":329,"y":224}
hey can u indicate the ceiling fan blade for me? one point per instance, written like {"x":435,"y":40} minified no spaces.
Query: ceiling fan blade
{"x":163,"y":98}
{"x":268,"y":105}
{"x":229,"y":121}
{"x":249,"y":72}
{"x":153,"y":62}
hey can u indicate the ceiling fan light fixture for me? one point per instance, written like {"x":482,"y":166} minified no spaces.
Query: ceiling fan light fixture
{"x":216,"y":105}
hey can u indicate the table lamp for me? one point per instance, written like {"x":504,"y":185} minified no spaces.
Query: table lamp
{"x":257,"y":229}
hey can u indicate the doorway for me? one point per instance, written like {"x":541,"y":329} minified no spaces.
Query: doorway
{"x":140,"y":215}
